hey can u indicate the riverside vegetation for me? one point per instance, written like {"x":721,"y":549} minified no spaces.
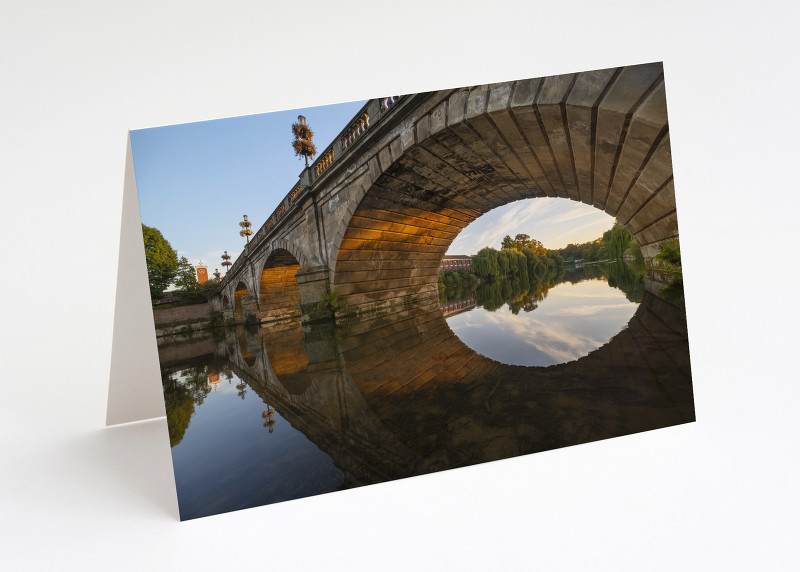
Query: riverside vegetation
{"x":522,"y":272}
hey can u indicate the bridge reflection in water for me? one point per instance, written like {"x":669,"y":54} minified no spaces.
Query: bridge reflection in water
{"x":401,"y":395}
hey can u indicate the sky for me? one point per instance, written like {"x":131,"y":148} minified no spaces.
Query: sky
{"x":196,"y":180}
{"x":553,"y":221}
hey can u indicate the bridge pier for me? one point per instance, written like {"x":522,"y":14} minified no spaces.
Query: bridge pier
{"x":314,"y":285}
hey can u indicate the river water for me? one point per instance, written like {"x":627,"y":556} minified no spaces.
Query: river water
{"x":275,"y":413}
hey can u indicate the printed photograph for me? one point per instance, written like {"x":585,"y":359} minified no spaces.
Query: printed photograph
{"x":356,"y":293}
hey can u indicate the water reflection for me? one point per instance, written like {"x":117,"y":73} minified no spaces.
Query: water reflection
{"x":400,"y":395}
{"x":558,"y":319}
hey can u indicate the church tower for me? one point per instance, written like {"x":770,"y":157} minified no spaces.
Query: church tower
{"x":202,"y":273}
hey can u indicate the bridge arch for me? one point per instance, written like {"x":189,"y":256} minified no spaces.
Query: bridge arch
{"x":278,"y":291}
{"x":598,"y":137}
{"x":244,"y":301}
{"x":227,"y":307}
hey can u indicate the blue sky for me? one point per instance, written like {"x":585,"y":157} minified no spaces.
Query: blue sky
{"x":196,"y":180}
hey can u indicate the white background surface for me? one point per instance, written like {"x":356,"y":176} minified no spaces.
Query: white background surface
{"x":719,"y":494}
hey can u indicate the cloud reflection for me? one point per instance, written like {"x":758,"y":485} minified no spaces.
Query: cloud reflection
{"x":574,"y":320}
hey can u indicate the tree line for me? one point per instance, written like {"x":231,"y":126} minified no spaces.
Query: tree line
{"x":164,"y":269}
{"x":614,"y":243}
{"x":522,"y":295}
{"x":529,"y":260}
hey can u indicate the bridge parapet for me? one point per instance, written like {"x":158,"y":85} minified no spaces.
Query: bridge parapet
{"x":372,"y":113}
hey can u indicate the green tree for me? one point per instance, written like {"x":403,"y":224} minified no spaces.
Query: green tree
{"x":185,"y":277}
{"x":522,"y":240}
{"x":634,"y":250}
{"x":485,"y":263}
{"x":161,"y":259}
{"x":537,"y":247}
{"x":508,"y":242}
{"x":209,"y":288}
{"x":616,"y":240}
{"x":503,"y":260}
{"x":181,"y":394}
{"x":669,"y":251}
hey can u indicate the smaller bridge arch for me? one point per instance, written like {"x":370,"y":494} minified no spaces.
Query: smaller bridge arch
{"x":244,"y":301}
{"x":278,"y":292}
{"x":227,"y":307}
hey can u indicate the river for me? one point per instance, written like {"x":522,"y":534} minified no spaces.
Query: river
{"x":280,"y":412}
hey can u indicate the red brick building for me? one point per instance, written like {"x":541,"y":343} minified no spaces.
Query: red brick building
{"x":456,"y":261}
{"x":457,"y":306}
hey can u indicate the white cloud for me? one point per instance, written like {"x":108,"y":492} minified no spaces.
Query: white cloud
{"x":549,"y":220}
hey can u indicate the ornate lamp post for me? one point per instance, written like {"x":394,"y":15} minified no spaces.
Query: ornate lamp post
{"x":303,"y":144}
{"x":226,"y":260}
{"x":268,"y":417}
{"x":246,"y":232}
{"x":217,"y":275}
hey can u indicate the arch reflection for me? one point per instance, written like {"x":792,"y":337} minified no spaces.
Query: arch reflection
{"x":401,"y":395}
{"x":558,"y":317}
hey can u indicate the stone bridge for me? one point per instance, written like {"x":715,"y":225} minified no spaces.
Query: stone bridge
{"x":373,"y":216}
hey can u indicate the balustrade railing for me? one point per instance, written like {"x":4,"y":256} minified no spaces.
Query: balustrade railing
{"x":294,"y":192}
{"x":369,"y":115}
{"x":356,"y":130}
{"x":388,"y":102}
{"x":323,"y":163}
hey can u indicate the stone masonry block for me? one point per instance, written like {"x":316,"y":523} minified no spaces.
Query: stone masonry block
{"x":499,"y":96}
{"x":525,"y":92}
{"x":438,"y":118}
{"x":589,"y":86}
{"x":456,"y":107}
{"x":555,"y":89}
{"x":385,"y":158}
{"x":476,"y":101}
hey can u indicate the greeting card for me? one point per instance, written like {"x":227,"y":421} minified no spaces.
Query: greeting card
{"x":351,"y":294}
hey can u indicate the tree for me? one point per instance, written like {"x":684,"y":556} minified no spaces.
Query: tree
{"x":537,"y":247}
{"x":161,"y":259}
{"x":522,"y":240}
{"x":303,"y":144}
{"x":485,"y":264}
{"x":669,"y":251}
{"x":185,"y":277}
{"x":210,"y":288}
{"x":508,"y":242}
{"x":503,"y":261}
{"x":616,"y":240}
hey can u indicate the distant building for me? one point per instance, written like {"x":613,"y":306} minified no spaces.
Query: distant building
{"x":457,"y":306}
{"x":456,"y":261}
{"x":202,"y":273}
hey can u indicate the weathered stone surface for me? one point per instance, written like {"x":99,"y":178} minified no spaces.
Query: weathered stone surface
{"x":375,"y":223}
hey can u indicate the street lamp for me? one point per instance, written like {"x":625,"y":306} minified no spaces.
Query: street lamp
{"x":217,"y":275}
{"x":246,"y":232}
{"x":226,"y":261}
